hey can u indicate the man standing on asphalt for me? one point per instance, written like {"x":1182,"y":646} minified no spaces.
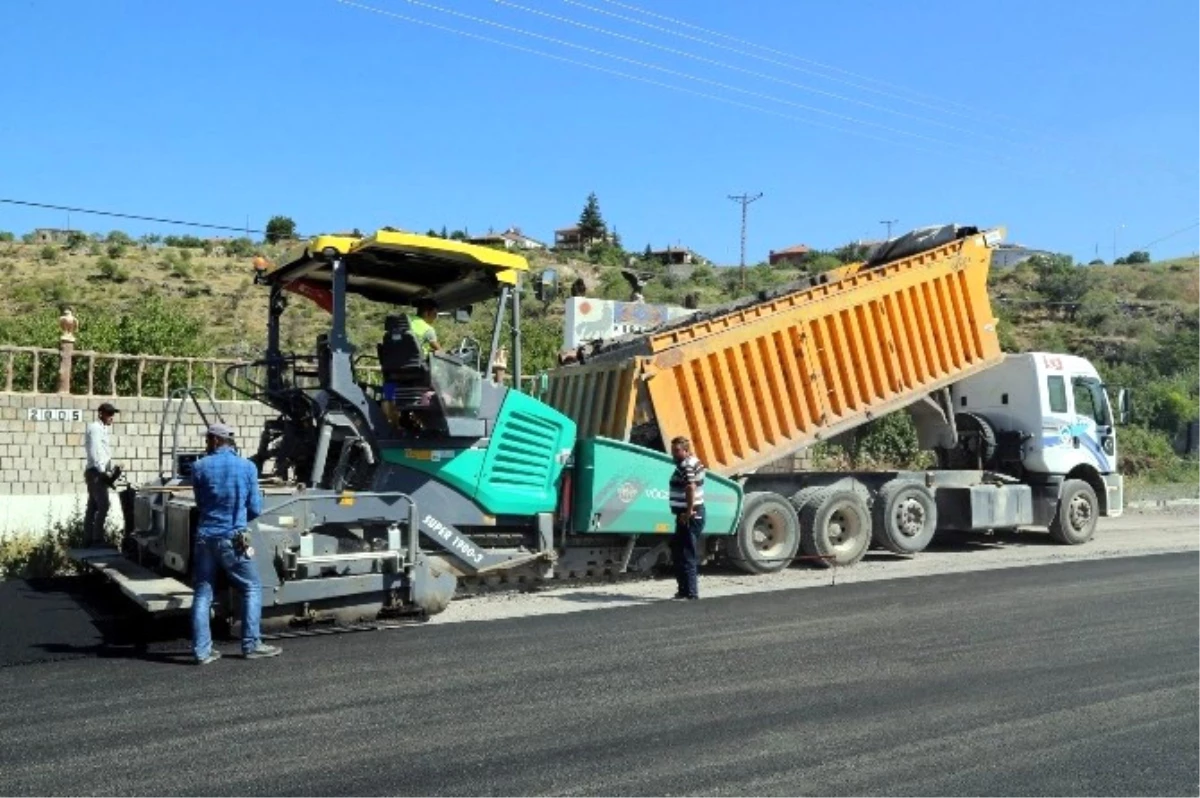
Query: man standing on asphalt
{"x":687,"y":504}
{"x":98,"y":474}
{"x":227,"y":499}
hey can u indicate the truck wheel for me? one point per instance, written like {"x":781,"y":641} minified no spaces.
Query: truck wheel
{"x":836,"y":527}
{"x":905,"y":517}
{"x":802,"y":497}
{"x":1078,"y":510}
{"x":768,"y":534}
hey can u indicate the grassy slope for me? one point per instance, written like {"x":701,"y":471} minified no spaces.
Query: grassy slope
{"x":1129,"y":311}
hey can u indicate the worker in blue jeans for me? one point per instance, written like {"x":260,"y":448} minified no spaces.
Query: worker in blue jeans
{"x":687,"y":505}
{"x":227,"y":499}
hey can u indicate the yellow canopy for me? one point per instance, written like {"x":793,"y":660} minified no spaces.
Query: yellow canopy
{"x":399,"y":268}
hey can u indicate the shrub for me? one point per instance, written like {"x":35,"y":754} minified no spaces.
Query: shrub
{"x":76,"y":239}
{"x":109,"y":269}
{"x":1096,"y":307}
{"x":49,"y":253}
{"x":115,"y":249}
{"x":7,"y":237}
{"x":31,"y":556}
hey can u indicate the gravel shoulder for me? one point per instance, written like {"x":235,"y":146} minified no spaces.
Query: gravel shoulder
{"x":1137,"y":533}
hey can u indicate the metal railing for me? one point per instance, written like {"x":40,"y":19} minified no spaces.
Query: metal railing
{"x":63,"y":371}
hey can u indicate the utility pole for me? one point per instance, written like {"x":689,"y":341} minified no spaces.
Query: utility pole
{"x":889,"y":223}
{"x":1115,"y":229}
{"x":745,"y":199}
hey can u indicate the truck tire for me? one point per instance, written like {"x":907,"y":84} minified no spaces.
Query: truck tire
{"x":905,"y":517}
{"x":1078,"y":510}
{"x":767,"y":536}
{"x":802,"y":497}
{"x":835,"y":527}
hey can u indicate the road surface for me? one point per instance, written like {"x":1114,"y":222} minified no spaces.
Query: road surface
{"x":1068,"y":679}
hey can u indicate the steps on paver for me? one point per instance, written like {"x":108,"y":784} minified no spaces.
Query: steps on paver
{"x":153,"y":592}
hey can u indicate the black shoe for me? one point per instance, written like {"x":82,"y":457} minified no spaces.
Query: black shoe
{"x":679,"y":596}
{"x":693,"y":598}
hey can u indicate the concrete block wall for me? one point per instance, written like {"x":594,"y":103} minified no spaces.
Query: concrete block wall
{"x":41,"y":461}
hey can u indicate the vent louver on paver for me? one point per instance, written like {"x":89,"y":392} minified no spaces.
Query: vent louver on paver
{"x":525,"y":452}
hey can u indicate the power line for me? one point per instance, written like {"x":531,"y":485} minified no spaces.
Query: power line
{"x":118,"y":215}
{"x":675,"y":73}
{"x":966,"y":112}
{"x":992,"y":158}
{"x":745,"y":200}
{"x":764,"y":48}
{"x":1191,"y":226}
{"x":617,"y":73}
{"x":735,"y":68}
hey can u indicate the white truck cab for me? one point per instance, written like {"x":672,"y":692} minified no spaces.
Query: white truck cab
{"x":1053,"y":427}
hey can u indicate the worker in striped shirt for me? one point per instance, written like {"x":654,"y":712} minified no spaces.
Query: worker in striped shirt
{"x":687,"y":505}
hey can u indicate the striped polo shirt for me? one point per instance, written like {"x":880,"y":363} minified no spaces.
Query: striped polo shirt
{"x":691,"y":470}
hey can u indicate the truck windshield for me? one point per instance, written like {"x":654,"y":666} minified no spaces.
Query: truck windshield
{"x":1090,"y":400}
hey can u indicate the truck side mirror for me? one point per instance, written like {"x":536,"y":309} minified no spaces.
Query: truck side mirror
{"x":1123,"y":406}
{"x":546,"y":286}
{"x":463,"y":315}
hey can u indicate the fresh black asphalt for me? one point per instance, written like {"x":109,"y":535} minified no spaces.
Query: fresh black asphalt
{"x":1075,"y":679}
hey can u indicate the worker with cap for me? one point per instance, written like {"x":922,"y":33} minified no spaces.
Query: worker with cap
{"x":98,"y":473}
{"x":225,"y":485}
{"x":422,"y":325}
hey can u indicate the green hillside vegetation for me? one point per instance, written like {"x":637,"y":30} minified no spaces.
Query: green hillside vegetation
{"x":183,"y":296}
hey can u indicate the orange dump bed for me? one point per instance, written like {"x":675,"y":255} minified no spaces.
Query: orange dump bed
{"x":761,"y":381}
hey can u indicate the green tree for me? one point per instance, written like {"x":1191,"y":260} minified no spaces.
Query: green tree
{"x":648,"y":253}
{"x":592,"y":227}
{"x":280,"y":228}
{"x":442,"y":234}
{"x":1137,"y":257}
{"x":150,"y":239}
{"x":1059,"y":279}
{"x":119,"y":237}
{"x":239,"y":247}
{"x":76,"y":239}
{"x":7,"y":237}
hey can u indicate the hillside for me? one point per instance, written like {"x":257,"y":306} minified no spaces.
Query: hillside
{"x":1138,"y":323}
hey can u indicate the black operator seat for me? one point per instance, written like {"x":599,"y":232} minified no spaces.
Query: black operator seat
{"x":403,"y":364}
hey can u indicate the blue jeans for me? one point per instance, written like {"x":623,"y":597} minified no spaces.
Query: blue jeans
{"x":208,"y":555}
{"x":685,"y":546}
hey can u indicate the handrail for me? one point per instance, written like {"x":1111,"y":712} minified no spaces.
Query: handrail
{"x":63,"y":371}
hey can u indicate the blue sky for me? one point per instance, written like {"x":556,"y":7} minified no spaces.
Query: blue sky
{"x":1061,"y":120}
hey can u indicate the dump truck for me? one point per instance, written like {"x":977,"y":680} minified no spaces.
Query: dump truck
{"x":393,"y":479}
{"x":1019,"y":439}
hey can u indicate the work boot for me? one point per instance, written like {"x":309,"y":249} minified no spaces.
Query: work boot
{"x":262,"y":651}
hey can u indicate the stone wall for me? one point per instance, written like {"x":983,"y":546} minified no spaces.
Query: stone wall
{"x":42,"y":457}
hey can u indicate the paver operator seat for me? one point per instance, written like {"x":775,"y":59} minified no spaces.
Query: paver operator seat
{"x":406,"y":378}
